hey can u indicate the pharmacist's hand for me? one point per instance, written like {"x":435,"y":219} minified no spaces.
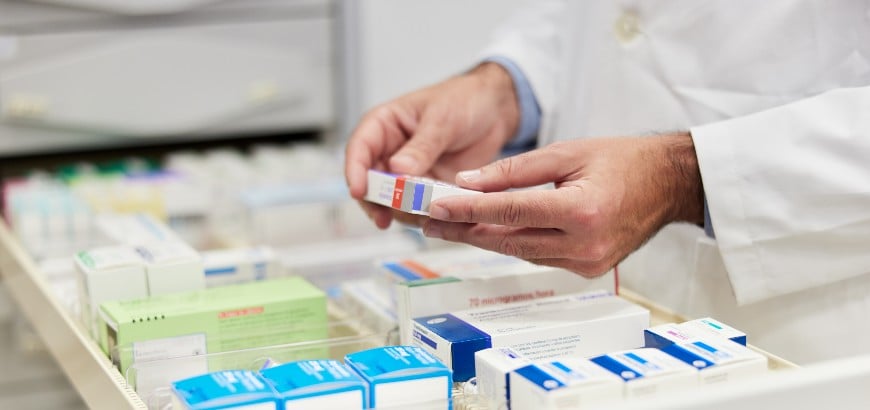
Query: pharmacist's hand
{"x":458,"y":124}
{"x":611,"y":195}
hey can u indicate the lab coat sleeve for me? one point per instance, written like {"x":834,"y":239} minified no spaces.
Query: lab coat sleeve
{"x":788,"y":191}
{"x":531,"y":38}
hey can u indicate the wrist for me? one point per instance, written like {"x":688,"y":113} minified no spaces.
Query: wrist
{"x":496,"y":81}
{"x":686,"y":196}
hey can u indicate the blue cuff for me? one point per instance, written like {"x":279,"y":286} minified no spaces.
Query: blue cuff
{"x":530,"y":111}
{"x":708,"y":223}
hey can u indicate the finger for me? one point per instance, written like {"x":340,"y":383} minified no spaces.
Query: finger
{"x":589,"y":270}
{"x":520,"y":242}
{"x":378,"y":134}
{"x":532,"y":168}
{"x":427,"y":144}
{"x":381,"y":215}
{"x":535,"y":209}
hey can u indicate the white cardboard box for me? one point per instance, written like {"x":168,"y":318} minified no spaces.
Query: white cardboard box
{"x":717,"y":359}
{"x":402,"y":376}
{"x":110,"y":273}
{"x":239,"y":265}
{"x":407,"y":193}
{"x":569,"y":383}
{"x":648,"y":372}
{"x":581,"y":324}
{"x":492,"y":368}
{"x":171,"y":267}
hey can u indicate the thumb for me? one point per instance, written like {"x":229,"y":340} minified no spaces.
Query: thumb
{"x":532,"y":168}
{"x":418,"y":155}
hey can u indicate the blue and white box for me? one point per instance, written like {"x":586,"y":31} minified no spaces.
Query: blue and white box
{"x":713,"y":327}
{"x":240,"y":265}
{"x":317,"y":384}
{"x":648,"y":372}
{"x":718,"y":360}
{"x":569,"y":383}
{"x":232,"y":389}
{"x":669,"y":333}
{"x":493,"y":367}
{"x":666,"y":335}
{"x":581,"y":324}
{"x":402,"y":376}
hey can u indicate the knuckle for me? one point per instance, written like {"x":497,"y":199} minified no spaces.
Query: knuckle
{"x":506,"y":166}
{"x":508,"y":246}
{"x":511,"y":213}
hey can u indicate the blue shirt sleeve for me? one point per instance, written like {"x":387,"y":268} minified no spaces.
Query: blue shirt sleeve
{"x":530,"y":111}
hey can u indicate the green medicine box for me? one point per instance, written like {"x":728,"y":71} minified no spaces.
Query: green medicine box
{"x":222,"y":319}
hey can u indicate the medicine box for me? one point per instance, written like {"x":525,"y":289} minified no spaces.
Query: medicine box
{"x":648,"y":372}
{"x":582,"y":324}
{"x":493,"y":367}
{"x":408,"y":193}
{"x":402,"y":376}
{"x":713,"y":327}
{"x":239,"y":265}
{"x":171,"y":267}
{"x":663,"y":335}
{"x":213,"y":320}
{"x":717,"y":359}
{"x":317,"y":385}
{"x":569,"y":383}
{"x":109,"y":273}
{"x":133,"y":229}
{"x":232,"y":389}
{"x":458,"y":278}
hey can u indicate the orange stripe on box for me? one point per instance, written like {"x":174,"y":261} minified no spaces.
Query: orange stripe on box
{"x":398,"y":191}
{"x":419,"y":269}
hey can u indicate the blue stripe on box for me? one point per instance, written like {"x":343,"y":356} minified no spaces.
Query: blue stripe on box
{"x":402,"y":271}
{"x":616,"y":368}
{"x":421,"y":337}
{"x":636,"y":358}
{"x":687,"y":357}
{"x":419,"y":189}
{"x":561,"y":367}
{"x":539,"y":377}
{"x":220,"y":271}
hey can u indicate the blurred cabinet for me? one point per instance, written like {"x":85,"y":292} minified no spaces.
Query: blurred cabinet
{"x":170,"y":68}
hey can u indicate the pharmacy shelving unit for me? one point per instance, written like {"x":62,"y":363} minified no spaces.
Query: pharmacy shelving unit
{"x":101,"y":385}
{"x":88,"y":369}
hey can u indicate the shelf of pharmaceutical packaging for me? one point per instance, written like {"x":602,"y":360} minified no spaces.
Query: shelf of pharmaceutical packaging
{"x":90,"y":371}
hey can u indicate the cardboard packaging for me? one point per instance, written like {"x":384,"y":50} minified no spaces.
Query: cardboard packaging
{"x":581,"y":324}
{"x":570,"y":383}
{"x":402,"y":376}
{"x":648,"y":372}
{"x":317,"y":385}
{"x":233,"y":389}
{"x":213,"y":320}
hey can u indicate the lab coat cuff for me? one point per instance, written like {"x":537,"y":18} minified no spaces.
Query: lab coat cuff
{"x":530,"y":111}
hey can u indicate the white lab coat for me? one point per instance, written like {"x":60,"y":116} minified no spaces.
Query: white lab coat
{"x":777,"y":96}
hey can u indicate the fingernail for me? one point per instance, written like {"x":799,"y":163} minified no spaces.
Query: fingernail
{"x":432,"y":230}
{"x":403,"y":164}
{"x":439,"y":212}
{"x":470,"y":175}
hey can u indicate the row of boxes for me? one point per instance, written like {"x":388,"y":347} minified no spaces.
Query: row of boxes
{"x":384,"y":377}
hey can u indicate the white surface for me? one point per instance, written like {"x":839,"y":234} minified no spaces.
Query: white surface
{"x":410,"y":392}
{"x":397,"y":46}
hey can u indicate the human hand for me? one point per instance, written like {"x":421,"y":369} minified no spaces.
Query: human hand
{"x":611,"y":196}
{"x":458,"y":124}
